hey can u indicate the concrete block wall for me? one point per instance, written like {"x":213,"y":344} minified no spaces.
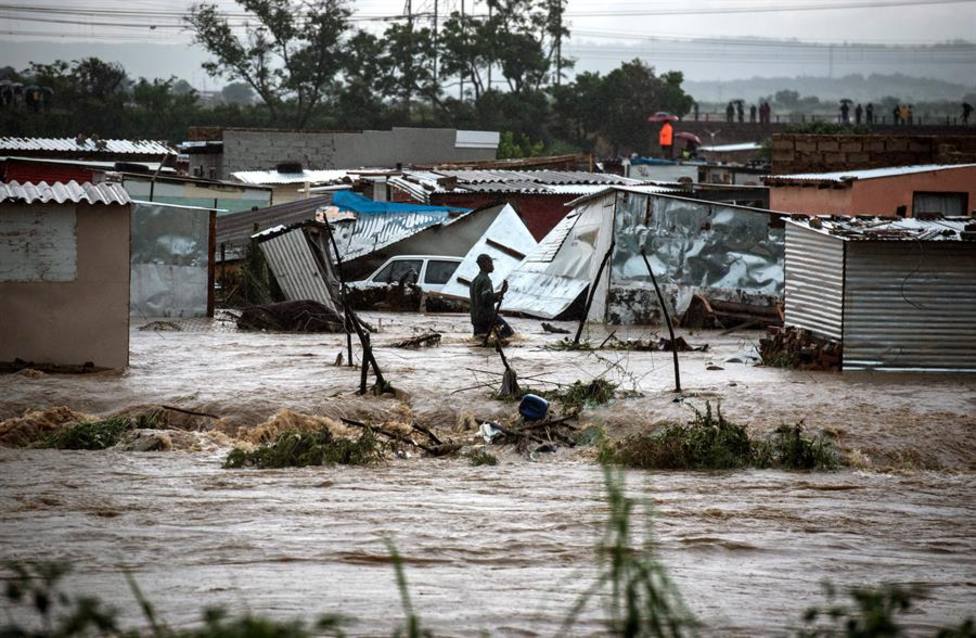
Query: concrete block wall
{"x":793,"y":153}
{"x":255,"y":149}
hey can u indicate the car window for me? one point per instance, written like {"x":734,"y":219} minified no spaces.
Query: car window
{"x":406,"y":270}
{"x":439,"y":271}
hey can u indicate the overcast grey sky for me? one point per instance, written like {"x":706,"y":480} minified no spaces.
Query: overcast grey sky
{"x":598,"y":40}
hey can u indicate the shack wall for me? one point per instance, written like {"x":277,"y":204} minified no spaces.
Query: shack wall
{"x":883,"y":196}
{"x":910,"y":305}
{"x":814,"y":282}
{"x":812,"y":200}
{"x":170,"y":261}
{"x":725,"y":252}
{"x":84,"y":317}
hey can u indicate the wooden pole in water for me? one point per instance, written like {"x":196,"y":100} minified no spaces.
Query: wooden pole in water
{"x":667,"y":320}
{"x":592,"y":294}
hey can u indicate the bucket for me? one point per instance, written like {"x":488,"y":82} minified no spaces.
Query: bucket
{"x":533,"y":408}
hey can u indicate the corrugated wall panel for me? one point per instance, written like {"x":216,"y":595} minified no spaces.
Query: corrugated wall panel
{"x":293,"y":264}
{"x":814,"y":281}
{"x":910,"y":305}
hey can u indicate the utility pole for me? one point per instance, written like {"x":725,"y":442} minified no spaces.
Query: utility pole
{"x":461,"y":88}
{"x":489,"y":57}
{"x":409,"y":71}
{"x":559,"y":41}
{"x":435,"y":42}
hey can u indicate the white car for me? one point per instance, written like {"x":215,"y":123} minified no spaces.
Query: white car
{"x":430,"y":272}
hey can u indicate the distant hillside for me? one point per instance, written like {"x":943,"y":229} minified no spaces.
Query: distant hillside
{"x":856,"y":87}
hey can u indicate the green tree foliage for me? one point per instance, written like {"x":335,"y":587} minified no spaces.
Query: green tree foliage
{"x":306,"y":66}
{"x":290,"y":58}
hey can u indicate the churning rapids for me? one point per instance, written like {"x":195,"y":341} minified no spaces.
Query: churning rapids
{"x":508,"y":548}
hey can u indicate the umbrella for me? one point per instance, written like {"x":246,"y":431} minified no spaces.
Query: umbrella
{"x":663,"y":116}
{"x":691,"y":137}
{"x":846,"y":100}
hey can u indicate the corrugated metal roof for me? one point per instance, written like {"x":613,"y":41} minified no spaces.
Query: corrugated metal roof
{"x":888,"y":228}
{"x":839,"y":177}
{"x":732,"y":148}
{"x":421,"y":183}
{"x":72,"y":145}
{"x":234,"y":231}
{"x":278,"y":177}
{"x":103,"y":193}
{"x":373,"y":231}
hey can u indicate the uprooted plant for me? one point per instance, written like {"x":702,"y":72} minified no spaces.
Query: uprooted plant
{"x":296,"y":448}
{"x":97,"y":435}
{"x":712,"y":442}
{"x":580,"y":394}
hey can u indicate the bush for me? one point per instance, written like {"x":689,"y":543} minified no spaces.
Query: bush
{"x":295,"y":448}
{"x":713,"y":443}
{"x":89,"y":435}
{"x":580,"y":395}
{"x":482,"y":457}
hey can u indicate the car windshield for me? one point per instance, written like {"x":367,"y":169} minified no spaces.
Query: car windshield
{"x":439,"y":271}
{"x":400,"y":271}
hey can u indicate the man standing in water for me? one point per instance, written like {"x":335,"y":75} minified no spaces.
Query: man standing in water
{"x":483,"y":300}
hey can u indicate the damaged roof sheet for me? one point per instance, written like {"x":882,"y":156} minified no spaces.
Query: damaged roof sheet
{"x":373,"y":231}
{"x":72,"y":145}
{"x":840,"y":177}
{"x":278,"y":177}
{"x":421,"y":184}
{"x":888,"y":228}
{"x":42,"y":192}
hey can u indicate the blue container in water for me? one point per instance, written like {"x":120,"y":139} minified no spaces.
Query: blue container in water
{"x":533,"y":407}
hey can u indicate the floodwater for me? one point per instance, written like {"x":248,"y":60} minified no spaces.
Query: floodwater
{"x":505,"y":549}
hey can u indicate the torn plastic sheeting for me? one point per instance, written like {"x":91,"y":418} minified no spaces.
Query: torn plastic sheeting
{"x":489,"y":431}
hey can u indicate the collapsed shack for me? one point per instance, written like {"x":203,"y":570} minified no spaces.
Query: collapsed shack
{"x":291,"y":316}
{"x":730,"y":255}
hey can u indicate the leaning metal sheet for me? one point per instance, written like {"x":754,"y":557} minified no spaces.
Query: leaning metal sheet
{"x":169,"y":261}
{"x":724,"y":251}
{"x":296,"y":269}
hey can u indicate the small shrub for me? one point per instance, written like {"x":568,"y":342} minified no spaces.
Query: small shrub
{"x":873,"y":613}
{"x":89,"y":435}
{"x":711,"y":442}
{"x":788,"y":448}
{"x":580,"y":395}
{"x":300,"y":449}
{"x":482,"y":457}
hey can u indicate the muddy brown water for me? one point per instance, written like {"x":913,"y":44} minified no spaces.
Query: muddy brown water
{"x":508,"y":548}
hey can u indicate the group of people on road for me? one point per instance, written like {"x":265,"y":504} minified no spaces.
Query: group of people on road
{"x":863,"y":114}
{"x":736,"y":108}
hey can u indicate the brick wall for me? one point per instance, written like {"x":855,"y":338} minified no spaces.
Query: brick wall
{"x":794,"y":153}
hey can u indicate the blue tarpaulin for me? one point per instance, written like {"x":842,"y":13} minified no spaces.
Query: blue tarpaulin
{"x":348,"y":200}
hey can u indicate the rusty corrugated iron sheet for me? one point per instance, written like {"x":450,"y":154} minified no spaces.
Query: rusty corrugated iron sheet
{"x":72,"y":145}
{"x":42,"y":192}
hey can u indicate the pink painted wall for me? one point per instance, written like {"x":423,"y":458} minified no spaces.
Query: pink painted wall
{"x":883,"y":196}
{"x":880,"y":196}
{"x":810,"y":199}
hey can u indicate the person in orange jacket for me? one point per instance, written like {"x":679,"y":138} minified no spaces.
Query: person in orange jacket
{"x":666,"y":139}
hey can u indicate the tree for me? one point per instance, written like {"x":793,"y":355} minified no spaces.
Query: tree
{"x":238,"y":93}
{"x":291,"y":58}
{"x":786,"y":98}
{"x":631,"y":93}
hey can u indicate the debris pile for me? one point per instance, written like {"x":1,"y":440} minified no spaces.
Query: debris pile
{"x":291,"y":316}
{"x":713,"y":313}
{"x":426,"y":340}
{"x":799,"y":349}
{"x":404,"y":298}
